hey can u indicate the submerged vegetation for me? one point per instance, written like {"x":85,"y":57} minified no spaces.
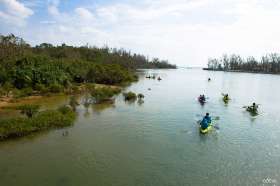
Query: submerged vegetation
{"x":104,"y":94}
{"x":28,"y":110}
{"x":129,"y":96}
{"x":21,"y":126}
{"x":73,"y":103}
{"x":267,"y":64}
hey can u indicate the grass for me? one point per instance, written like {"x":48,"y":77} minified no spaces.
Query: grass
{"x":28,"y":110}
{"x":21,"y":126}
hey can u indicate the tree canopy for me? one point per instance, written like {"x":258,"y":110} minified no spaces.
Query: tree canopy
{"x":45,"y":65}
{"x":269,"y":63}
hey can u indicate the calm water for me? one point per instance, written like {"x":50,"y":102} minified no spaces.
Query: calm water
{"x":158,"y":143}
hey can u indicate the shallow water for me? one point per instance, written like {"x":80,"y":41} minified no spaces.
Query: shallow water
{"x":158,"y":142}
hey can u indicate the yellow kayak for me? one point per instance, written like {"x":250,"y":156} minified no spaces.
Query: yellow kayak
{"x":225,"y":100}
{"x":204,"y":131}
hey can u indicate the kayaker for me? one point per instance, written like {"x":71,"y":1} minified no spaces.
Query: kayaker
{"x":205,"y":121}
{"x":202,"y":98}
{"x":226,"y":97}
{"x":254,"y":107}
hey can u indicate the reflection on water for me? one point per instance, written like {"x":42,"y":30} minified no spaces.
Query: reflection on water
{"x":47,"y":102}
{"x":98,"y":108}
{"x":140,"y":102}
{"x":157,"y":141}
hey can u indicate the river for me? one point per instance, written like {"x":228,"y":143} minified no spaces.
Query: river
{"x":157,"y":143}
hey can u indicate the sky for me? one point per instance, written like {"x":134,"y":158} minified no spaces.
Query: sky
{"x":185,"y":32}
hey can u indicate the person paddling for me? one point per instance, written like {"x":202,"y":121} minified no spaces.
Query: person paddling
{"x":253,"y":107}
{"x":226,"y":97}
{"x":204,"y":124}
{"x":202,"y":98}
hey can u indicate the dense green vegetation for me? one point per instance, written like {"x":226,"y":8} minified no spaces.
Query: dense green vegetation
{"x":21,"y":126}
{"x":47,"y":68}
{"x":103,"y":94}
{"x":44,"y":69}
{"x":129,"y":96}
{"x":28,"y":110}
{"x":267,"y":64}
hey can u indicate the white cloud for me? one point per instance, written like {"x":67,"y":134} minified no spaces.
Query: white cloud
{"x":186,"y":32}
{"x":53,"y":7}
{"x":15,"y":12}
{"x":53,"y":10}
{"x":84,"y":13}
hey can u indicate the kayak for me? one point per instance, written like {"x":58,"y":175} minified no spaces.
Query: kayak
{"x":204,"y":131}
{"x":226,"y":100}
{"x":249,"y":109}
{"x":201,"y":100}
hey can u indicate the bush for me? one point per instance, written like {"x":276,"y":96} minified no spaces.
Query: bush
{"x":17,"y":127}
{"x":73,"y":102}
{"x":109,"y":74}
{"x":65,"y":109}
{"x":3,"y":76}
{"x":2,"y":92}
{"x":53,"y":119}
{"x":19,"y":93}
{"x":7,"y":88}
{"x":22,"y":65}
{"x":75,"y":89}
{"x":103,"y":94}
{"x":39,"y":87}
{"x":129,"y":96}
{"x":28,"y":110}
{"x":56,"y":88}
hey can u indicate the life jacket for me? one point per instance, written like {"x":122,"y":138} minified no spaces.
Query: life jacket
{"x":204,"y":123}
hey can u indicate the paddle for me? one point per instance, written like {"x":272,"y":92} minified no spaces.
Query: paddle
{"x":216,"y":127}
{"x":250,"y":106}
{"x":205,"y":97}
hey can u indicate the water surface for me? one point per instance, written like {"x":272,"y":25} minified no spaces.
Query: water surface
{"x":158,"y":143}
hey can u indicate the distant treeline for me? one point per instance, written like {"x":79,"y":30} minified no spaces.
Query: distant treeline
{"x":45,"y":65}
{"x":267,"y":64}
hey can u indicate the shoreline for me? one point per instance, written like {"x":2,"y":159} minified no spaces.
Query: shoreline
{"x":241,"y":71}
{"x":33,"y":119}
{"x":11,"y":101}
